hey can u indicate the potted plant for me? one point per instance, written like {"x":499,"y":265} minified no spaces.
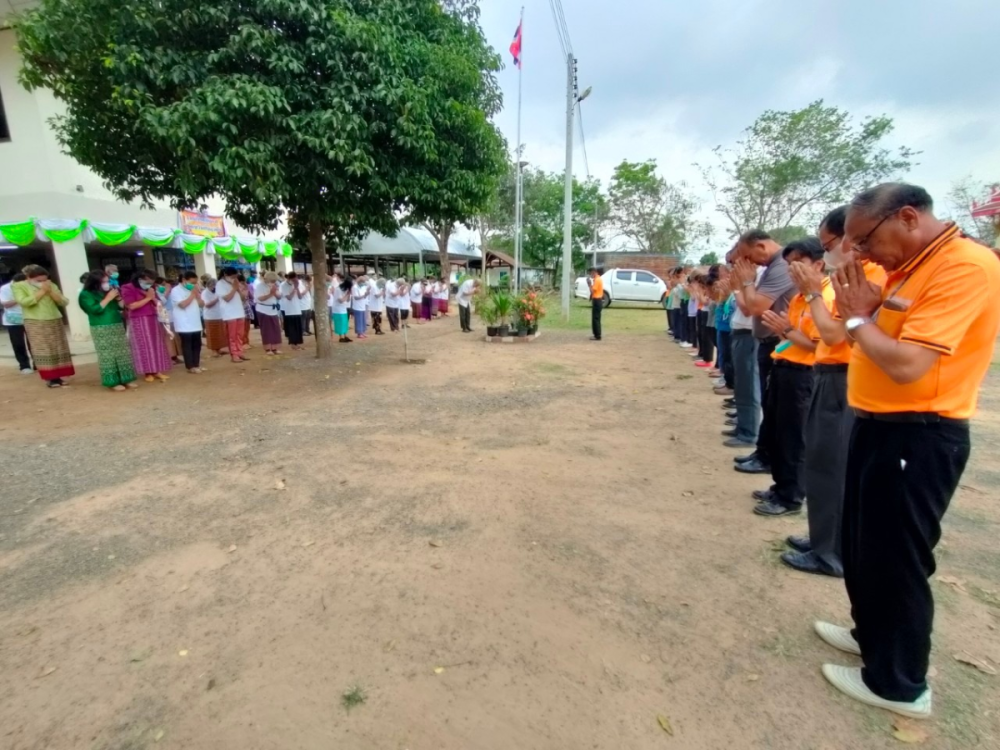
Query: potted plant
{"x":487,"y":311}
{"x":503,"y":304}
{"x":530,"y":310}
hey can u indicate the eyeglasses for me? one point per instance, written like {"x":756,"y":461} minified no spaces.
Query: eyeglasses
{"x":862,"y":246}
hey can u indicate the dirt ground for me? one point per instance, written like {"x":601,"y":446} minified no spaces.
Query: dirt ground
{"x":510,"y":546}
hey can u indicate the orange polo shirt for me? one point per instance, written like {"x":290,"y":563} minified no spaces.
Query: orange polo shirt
{"x":597,"y":289}
{"x":947,"y":299}
{"x":841,"y":353}
{"x":800,"y":316}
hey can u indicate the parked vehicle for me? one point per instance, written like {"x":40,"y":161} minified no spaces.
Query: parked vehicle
{"x":627,"y":285}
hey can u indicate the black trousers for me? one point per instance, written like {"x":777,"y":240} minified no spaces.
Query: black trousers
{"x":191,"y":349}
{"x":596,"y":306}
{"x":307,"y":318}
{"x":377,"y":322}
{"x":764,"y":363}
{"x":19,"y":343}
{"x":828,"y":435}
{"x":465,"y":317}
{"x":692,"y":330}
{"x":392,"y":313}
{"x":900,"y":480}
{"x":789,"y":392}
{"x":293,"y":329}
{"x":706,"y":348}
{"x":728,"y":368}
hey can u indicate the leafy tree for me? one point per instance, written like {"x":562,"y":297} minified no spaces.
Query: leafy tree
{"x":784,"y":235}
{"x":344,"y":113}
{"x":656,"y":216}
{"x":963,"y":192}
{"x":709,"y":259}
{"x":795,"y":165}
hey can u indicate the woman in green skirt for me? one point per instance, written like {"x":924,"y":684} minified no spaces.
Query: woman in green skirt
{"x":102,"y":304}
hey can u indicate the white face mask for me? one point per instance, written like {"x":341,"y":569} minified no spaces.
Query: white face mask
{"x":106,"y":286}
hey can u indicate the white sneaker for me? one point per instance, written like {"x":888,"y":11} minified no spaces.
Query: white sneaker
{"x":838,"y":637}
{"x":686,"y":345}
{"x":27,"y":371}
{"x":719,"y":382}
{"x":848,"y":681}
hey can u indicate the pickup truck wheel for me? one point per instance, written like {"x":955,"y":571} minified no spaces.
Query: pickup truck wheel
{"x":607,"y":300}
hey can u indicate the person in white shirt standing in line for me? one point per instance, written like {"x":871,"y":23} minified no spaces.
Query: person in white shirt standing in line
{"x":185,"y":316}
{"x":230,"y":296}
{"x":306,"y":303}
{"x":13,"y":321}
{"x":466,"y":291}
{"x":291,"y":299}
{"x":359,"y":306}
{"x":266,"y":294}
{"x":416,"y":294}
{"x":403,"y":300}
{"x":340,"y":303}
{"x":444,"y":292}
{"x":376,"y":301}
{"x":392,"y":305}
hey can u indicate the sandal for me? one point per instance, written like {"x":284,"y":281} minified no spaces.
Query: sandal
{"x":131,"y":386}
{"x":162,"y":376}
{"x":53,"y":384}
{"x":119,"y":388}
{"x":149,"y":379}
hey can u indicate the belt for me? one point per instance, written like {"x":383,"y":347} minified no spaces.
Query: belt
{"x":791,"y":365}
{"x":838,"y":367}
{"x":742,"y":332}
{"x":908,"y":417}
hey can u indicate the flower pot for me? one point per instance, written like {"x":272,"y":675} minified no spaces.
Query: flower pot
{"x":532,"y":330}
{"x":492,"y":331}
{"x":522,"y":332}
{"x":504,"y":330}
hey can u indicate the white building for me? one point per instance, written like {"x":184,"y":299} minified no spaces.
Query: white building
{"x":41,"y":184}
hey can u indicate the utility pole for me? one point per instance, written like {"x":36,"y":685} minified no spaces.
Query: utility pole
{"x":567,"y":269}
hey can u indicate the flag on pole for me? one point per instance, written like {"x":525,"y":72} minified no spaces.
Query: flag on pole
{"x":515,"y":47}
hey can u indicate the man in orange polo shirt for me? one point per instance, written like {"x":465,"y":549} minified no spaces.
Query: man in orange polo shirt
{"x":789,"y":391}
{"x":830,"y":419}
{"x":596,"y":285}
{"x":922,"y":345}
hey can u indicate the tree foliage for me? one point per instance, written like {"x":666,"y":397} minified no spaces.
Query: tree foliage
{"x":784,"y":235}
{"x":655,"y":215}
{"x":792,"y":166}
{"x":709,"y":259}
{"x":963,"y":192}
{"x":347,"y":114}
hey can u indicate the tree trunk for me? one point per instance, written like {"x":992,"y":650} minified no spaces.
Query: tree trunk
{"x":317,"y":247}
{"x":442,"y":238}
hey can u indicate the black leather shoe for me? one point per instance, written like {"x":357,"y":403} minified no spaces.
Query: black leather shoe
{"x":799,"y":543}
{"x":753,"y":467}
{"x":729,"y":403}
{"x":731,"y":415}
{"x":771,"y":508}
{"x":729,"y":433}
{"x":730,"y":422}
{"x":746,"y":458}
{"x":807,"y":562}
{"x":763,"y":495}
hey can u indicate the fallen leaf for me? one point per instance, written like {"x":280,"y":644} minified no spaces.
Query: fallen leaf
{"x":138,"y":656}
{"x":907,"y":730}
{"x":664,"y":723}
{"x":211,"y":684}
{"x":438,"y":670}
{"x":159,"y":735}
{"x":957,"y":583}
{"x":966,"y":658}
{"x":48,"y":671}
{"x":232,"y":548}
{"x":435,"y":543}
{"x":182,"y":652}
{"x":687,"y":493}
{"x":308,"y":544}
{"x":389,"y":646}
{"x":753,"y":677}
{"x":280,"y":484}
{"x":645,"y":658}
{"x":182,"y":589}
{"x":111,"y":557}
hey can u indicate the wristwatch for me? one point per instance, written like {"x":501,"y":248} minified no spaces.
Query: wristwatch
{"x":749,"y":283}
{"x":854,"y":324}
{"x":811,"y":296}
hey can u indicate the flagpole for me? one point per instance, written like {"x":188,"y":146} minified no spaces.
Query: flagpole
{"x":519,"y":187}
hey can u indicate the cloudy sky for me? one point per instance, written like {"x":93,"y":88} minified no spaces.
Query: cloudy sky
{"x":674,"y":79}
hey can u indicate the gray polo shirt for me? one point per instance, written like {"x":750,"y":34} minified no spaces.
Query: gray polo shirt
{"x":778,"y":285}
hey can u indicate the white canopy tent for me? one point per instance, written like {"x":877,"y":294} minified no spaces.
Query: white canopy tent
{"x":414,"y":243}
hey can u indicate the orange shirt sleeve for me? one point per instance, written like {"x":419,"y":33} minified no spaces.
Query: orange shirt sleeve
{"x":940,"y":320}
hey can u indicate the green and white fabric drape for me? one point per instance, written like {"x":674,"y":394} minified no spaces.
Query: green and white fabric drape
{"x":249,"y":249}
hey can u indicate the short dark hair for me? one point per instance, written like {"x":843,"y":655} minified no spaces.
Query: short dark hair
{"x":160,"y":280}
{"x":228,"y":271}
{"x":83,"y":277}
{"x":92,"y":280}
{"x":754,"y":236}
{"x":889,"y":197}
{"x":18,"y":277}
{"x":834,"y":221}
{"x":810,"y":247}
{"x":142,"y":273}
{"x":190,"y":275}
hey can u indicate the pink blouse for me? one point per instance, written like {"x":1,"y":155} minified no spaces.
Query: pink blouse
{"x":130,"y":294}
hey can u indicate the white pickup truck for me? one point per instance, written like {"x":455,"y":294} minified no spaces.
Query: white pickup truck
{"x":626,"y":285}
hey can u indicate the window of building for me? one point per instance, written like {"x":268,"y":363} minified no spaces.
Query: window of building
{"x":4,"y":130}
